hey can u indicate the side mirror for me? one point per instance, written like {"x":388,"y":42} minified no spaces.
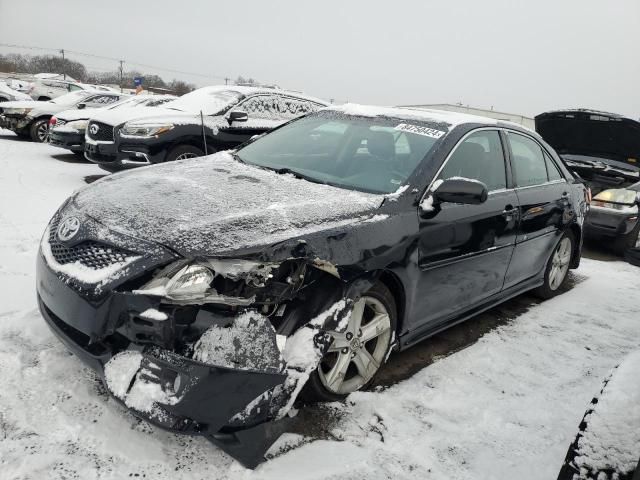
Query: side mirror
{"x":468,"y":192}
{"x":82,"y":105}
{"x":237,"y":116}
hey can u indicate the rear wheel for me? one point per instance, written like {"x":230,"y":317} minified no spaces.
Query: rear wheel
{"x":182,"y":152}
{"x":39,"y":130}
{"x":356,"y":354}
{"x":556,"y":273}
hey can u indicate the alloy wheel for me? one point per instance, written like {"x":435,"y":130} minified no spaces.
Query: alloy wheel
{"x":184,"y":156}
{"x":356,"y":354}
{"x":560,"y":263}
{"x":42,"y":132}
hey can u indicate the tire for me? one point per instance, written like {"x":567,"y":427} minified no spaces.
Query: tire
{"x":79,"y":154}
{"x":558,"y":265}
{"x":626,"y":242}
{"x":39,"y":130}
{"x":320,"y":387}
{"x":182,"y":152}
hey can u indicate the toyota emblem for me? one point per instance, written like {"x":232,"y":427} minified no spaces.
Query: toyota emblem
{"x":68,"y":229}
{"x":94,"y":129}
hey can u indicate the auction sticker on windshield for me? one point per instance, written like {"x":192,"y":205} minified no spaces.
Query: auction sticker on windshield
{"x":418,"y":130}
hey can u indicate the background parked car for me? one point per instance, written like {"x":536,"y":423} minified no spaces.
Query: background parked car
{"x":607,"y":446}
{"x":67,"y":128}
{"x":9,"y":94}
{"x":603,"y":148}
{"x":31,"y":119}
{"x":198,"y":123}
{"x":614,"y":220}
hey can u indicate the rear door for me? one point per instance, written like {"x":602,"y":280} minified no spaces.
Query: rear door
{"x":464,"y":250}
{"x":544,"y":197}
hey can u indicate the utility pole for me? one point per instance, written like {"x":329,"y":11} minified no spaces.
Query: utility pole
{"x":226,"y":80}
{"x":64,"y":68}
{"x":121,"y":74}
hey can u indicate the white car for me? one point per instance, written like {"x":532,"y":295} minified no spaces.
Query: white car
{"x":31,"y":119}
{"x":9,"y":94}
{"x":67,"y":128}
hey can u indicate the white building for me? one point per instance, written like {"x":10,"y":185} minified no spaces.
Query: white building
{"x":510,"y":117}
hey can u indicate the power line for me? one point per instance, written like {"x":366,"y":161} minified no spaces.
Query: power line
{"x":119,"y":60}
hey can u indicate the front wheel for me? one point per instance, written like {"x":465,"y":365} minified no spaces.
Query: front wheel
{"x":39,"y":130}
{"x":556,"y":273}
{"x":182,"y":152}
{"x":357,"y":353}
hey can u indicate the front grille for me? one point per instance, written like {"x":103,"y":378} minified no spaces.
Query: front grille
{"x":91,"y":254}
{"x":104,"y":133}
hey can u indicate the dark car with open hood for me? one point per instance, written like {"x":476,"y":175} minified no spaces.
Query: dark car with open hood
{"x":604,"y":150}
{"x":211,"y":294}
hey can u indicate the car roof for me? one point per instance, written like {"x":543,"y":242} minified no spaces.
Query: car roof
{"x":246,"y":91}
{"x":417,"y":113}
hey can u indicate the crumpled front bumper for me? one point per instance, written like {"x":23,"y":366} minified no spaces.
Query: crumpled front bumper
{"x":202,"y":402}
{"x":14,"y":123}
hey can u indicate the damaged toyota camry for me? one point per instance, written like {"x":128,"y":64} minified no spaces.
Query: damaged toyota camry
{"x":212,"y":294}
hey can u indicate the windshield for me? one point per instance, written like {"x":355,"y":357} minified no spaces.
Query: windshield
{"x":207,"y":100}
{"x":368,"y":154}
{"x":140,"y":101}
{"x":71,"y":98}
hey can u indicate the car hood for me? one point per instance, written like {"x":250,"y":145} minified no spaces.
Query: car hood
{"x":119,"y":116}
{"x":25,"y":104}
{"x":76,"y":114}
{"x":607,"y":137}
{"x":215,"y":206}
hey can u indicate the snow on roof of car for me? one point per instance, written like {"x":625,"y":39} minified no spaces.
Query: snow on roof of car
{"x":422,"y":114}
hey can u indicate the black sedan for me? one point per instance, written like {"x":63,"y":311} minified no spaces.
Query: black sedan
{"x":211,"y":294}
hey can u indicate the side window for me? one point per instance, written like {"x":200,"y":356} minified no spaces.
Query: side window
{"x":73,"y":88}
{"x":478,"y":157}
{"x":100,"y":100}
{"x":529,"y":166}
{"x":290,"y":107}
{"x":552,"y":168}
{"x":261,"y":106}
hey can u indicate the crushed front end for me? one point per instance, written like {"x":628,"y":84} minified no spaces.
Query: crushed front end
{"x":213,"y":347}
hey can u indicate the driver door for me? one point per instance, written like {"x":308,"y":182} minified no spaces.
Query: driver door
{"x":465,"y":250}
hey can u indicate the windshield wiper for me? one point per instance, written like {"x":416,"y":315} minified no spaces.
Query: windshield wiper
{"x":297,"y":174}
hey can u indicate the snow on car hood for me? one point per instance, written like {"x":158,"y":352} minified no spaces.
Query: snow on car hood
{"x":119,"y":116}
{"x":25,"y":104}
{"x":216,"y":205}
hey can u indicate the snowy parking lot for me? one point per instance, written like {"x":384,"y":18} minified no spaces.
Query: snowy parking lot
{"x":507,"y":406}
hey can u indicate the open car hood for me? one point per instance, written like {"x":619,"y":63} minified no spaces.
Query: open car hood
{"x":594,"y":134}
{"x":216,"y":205}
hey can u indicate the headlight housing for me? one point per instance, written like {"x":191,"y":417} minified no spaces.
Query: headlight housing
{"x":185,"y":282}
{"x":144,"y":130}
{"x":79,"y":125}
{"x":617,"y":199}
{"x":17,"y":111}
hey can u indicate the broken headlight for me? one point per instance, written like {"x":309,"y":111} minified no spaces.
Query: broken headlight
{"x":185,"y":282}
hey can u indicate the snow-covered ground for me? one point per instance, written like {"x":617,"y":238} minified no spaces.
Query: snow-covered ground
{"x":506,"y":407}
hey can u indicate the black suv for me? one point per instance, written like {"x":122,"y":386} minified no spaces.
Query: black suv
{"x":199,"y":123}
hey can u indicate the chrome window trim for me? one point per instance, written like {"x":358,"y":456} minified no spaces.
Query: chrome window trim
{"x":446,"y":160}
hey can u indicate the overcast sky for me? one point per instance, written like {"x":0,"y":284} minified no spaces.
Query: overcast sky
{"x":521,"y":56}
